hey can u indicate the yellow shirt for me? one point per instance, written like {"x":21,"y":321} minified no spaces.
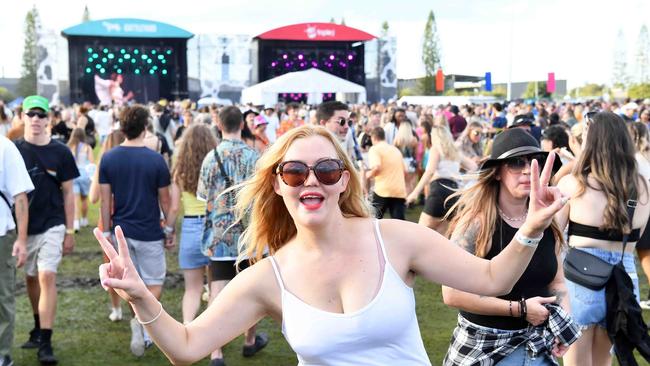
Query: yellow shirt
{"x":389,"y":182}
{"x":191,"y":205}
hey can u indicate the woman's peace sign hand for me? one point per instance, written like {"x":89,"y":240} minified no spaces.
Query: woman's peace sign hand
{"x":545,"y":201}
{"x":120,"y":273}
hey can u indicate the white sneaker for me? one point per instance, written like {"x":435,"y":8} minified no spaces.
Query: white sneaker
{"x":115,"y":315}
{"x":83,"y":222}
{"x":206,"y":293}
{"x":645,"y":304}
{"x":75,"y":225}
{"x":137,"y":339}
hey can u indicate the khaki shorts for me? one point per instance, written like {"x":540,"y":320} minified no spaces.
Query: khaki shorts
{"x":44,"y":251}
{"x":148,"y":257}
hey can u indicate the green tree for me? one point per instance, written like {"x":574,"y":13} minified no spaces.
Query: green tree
{"x":6,"y":95}
{"x":541,"y":90}
{"x":619,"y":73}
{"x":342,"y":21}
{"x":332,"y":20}
{"x":430,"y":54}
{"x":588,"y":90}
{"x":639,"y":91}
{"x":27,"y":82}
{"x":86,"y":16}
{"x":384,"y":29}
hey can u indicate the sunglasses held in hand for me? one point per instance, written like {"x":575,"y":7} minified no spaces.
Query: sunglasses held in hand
{"x":295,"y":173}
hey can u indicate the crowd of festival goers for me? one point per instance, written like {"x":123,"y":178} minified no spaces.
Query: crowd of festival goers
{"x":165,"y":172}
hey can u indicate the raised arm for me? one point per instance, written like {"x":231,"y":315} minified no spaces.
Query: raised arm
{"x":437,"y":259}
{"x":184,"y":344}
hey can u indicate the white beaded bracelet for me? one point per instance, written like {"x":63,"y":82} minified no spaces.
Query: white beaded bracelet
{"x":526,"y":241}
{"x":154,"y":319}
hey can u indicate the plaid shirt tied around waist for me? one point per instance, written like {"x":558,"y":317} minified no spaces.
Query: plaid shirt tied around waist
{"x":474,"y":345}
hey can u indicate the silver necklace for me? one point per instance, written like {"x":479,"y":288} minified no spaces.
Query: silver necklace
{"x":516,"y":219}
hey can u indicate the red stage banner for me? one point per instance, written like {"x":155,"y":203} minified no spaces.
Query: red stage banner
{"x":317,"y":32}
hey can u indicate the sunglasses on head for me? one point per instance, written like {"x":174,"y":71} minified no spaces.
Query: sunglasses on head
{"x":518,"y":163}
{"x":295,"y":173}
{"x":40,"y":115}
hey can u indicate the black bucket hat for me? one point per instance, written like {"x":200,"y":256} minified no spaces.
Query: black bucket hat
{"x":515,"y":142}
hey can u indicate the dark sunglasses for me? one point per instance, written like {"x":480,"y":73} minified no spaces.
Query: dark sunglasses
{"x":518,"y":163}
{"x":40,"y":115}
{"x":342,"y":121}
{"x":295,"y":173}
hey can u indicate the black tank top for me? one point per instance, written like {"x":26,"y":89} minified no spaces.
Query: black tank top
{"x":534,"y":282}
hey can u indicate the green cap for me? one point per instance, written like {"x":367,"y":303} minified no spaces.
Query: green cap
{"x":36,"y":101}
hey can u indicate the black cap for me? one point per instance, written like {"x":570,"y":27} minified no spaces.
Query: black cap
{"x":515,"y":142}
{"x":522,"y":120}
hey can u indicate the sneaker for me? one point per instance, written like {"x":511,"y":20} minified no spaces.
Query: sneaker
{"x":115,"y":315}
{"x":6,"y":361}
{"x":46,"y":355}
{"x":34,"y":340}
{"x":206,"y":293}
{"x":137,"y":339}
{"x":645,"y":304}
{"x":75,"y":225}
{"x":83,"y":222}
{"x":261,"y":340}
{"x":217,"y":362}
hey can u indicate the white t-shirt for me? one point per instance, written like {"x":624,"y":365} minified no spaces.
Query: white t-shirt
{"x":274,"y":124}
{"x":14,"y":179}
{"x":103,"y":122}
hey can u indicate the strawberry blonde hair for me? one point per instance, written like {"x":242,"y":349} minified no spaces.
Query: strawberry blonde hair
{"x":269,"y":223}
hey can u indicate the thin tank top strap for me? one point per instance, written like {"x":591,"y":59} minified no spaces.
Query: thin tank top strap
{"x":380,"y":241}
{"x":276,"y":270}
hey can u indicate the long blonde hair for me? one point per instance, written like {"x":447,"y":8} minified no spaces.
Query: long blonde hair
{"x":404,"y":138}
{"x":443,"y":143}
{"x":478,"y":205}
{"x":77,"y":136}
{"x":270,"y":224}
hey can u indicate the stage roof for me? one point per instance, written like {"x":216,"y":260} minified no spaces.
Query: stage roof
{"x":316,"y":32}
{"x":126,"y":28}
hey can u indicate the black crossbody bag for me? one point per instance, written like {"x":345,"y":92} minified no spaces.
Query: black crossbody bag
{"x":229,"y":194}
{"x":588,"y":270}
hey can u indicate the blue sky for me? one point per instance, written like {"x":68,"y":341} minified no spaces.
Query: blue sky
{"x":573,"y":38}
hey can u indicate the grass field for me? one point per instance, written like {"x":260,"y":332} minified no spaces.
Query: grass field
{"x":83,"y":335}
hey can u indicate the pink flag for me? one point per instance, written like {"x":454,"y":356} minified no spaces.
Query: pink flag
{"x":550,"y":83}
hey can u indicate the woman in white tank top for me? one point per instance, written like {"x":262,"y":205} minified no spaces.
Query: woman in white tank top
{"x":339,"y":282}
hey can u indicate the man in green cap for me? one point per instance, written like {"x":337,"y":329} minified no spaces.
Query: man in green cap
{"x":52,"y":168}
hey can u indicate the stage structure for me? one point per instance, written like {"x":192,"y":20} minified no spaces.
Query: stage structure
{"x":115,"y":60}
{"x":333,"y":48}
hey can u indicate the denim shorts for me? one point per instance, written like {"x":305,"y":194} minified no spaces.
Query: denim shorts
{"x":189,"y":253}
{"x":81,"y":186}
{"x":521,"y":357}
{"x":588,"y":307}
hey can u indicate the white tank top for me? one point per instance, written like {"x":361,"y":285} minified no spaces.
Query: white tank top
{"x":448,"y":169}
{"x":384,"y":332}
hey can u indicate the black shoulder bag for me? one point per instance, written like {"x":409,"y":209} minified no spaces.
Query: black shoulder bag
{"x":11,"y":207}
{"x":588,"y":270}
{"x":229,"y":194}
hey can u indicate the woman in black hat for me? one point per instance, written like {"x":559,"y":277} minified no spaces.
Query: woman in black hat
{"x":486,"y":219}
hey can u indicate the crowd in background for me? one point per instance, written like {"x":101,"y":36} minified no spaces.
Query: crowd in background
{"x":405,"y":154}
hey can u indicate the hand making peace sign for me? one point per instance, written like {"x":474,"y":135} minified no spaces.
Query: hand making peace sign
{"x":120,"y":273}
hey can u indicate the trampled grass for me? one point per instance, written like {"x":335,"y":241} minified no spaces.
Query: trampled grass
{"x":83,"y":335}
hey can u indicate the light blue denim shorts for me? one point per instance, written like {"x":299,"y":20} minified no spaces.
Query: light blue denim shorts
{"x":588,"y":307}
{"x":189,"y":253}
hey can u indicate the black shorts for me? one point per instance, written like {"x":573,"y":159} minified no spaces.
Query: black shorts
{"x":226,"y":270}
{"x":439,"y":190}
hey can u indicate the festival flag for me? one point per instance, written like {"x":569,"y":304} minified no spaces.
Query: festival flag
{"x":440,"y":81}
{"x":488,"y":81}
{"x":550,"y":83}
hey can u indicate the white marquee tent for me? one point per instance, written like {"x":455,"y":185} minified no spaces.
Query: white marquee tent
{"x":313,"y":82}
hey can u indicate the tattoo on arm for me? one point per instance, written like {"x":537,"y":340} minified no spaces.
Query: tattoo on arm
{"x":559,"y":294}
{"x":466,"y":237}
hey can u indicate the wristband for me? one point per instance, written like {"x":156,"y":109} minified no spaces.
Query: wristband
{"x":154,"y":318}
{"x":69,"y":231}
{"x":524,"y":310}
{"x":168,"y":230}
{"x":510,"y":308}
{"x":526,"y":241}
